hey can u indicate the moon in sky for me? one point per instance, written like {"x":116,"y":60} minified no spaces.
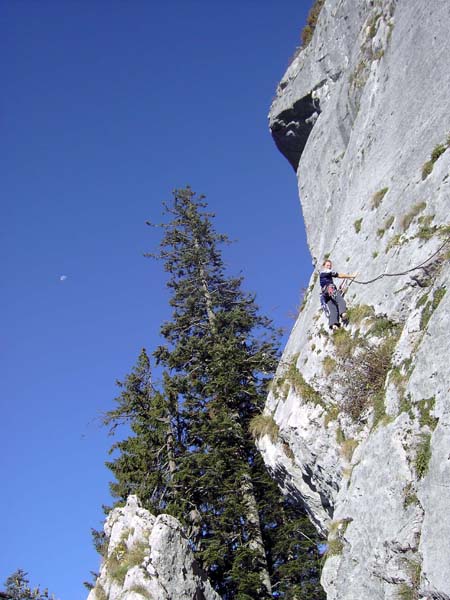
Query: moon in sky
{"x":62,"y":277}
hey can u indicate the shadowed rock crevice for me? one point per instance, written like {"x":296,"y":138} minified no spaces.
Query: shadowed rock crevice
{"x":282,"y":477}
{"x":291,"y":128}
{"x":307,"y":477}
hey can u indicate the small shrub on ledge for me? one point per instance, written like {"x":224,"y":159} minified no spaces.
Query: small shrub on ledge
{"x":409,"y":217}
{"x":423,"y":455}
{"x":363,"y":366}
{"x":311,"y":22}
{"x":357,"y":225}
{"x":377,"y":198}
{"x":264,"y":425}
{"x":435,"y":154}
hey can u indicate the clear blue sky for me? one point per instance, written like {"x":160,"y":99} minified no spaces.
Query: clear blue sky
{"x":106,"y":106}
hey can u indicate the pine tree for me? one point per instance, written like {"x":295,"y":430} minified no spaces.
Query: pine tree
{"x":146,"y":459}
{"x":219,"y":354}
{"x":18,"y":588}
{"x":293,"y":545}
{"x":191,"y":453}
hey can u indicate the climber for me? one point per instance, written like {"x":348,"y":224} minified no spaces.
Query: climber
{"x":331,"y":297}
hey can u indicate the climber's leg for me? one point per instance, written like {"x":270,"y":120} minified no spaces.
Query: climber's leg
{"x":341,"y":306}
{"x":333,"y":314}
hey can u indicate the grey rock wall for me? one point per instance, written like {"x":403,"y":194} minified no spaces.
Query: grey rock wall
{"x":148,"y":558}
{"x":358,"y":114}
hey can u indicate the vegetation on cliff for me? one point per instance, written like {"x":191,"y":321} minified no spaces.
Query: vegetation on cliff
{"x":311,"y":22}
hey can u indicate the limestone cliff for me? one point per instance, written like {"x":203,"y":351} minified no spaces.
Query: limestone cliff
{"x":363,"y":415}
{"x":148,"y":558}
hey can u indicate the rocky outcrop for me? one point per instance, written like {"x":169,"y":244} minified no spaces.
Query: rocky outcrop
{"x":364,"y":415}
{"x":148,"y":557}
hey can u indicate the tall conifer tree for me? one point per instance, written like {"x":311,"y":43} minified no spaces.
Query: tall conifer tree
{"x":218,"y":356}
{"x":220,"y":353}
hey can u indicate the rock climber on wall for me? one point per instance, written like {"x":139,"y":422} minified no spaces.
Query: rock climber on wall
{"x":331,"y":298}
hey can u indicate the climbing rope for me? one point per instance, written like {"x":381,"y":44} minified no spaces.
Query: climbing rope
{"x":403,"y":272}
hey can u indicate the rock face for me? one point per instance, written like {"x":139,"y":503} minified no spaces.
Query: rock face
{"x":362,"y":116}
{"x":148,"y":557}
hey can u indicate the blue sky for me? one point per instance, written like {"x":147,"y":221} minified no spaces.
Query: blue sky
{"x":105,"y":108}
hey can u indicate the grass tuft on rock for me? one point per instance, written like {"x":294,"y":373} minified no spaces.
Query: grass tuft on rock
{"x":347,"y":448}
{"x":262,"y":425}
{"x":99,"y":592}
{"x":435,"y":154}
{"x":343,"y":342}
{"x":400,"y":380}
{"x":335,"y":544}
{"x":412,"y":214}
{"x":406,"y":592}
{"x":328,"y":365}
{"x":423,"y":455}
{"x":383,"y":327}
{"x":301,"y":386}
{"x":386,"y":225}
{"x":377,"y":198}
{"x":141,"y":590}
{"x":311,"y":22}
{"x":379,"y":409}
{"x":410,"y":496}
{"x":122,"y":559}
{"x":332,"y":414}
{"x":411,"y":591}
{"x":358,"y":312}
{"x":425,"y":408}
{"x":430,"y":306}
{"x":422,"y":300}
{"x":334,"y":547}
{"x":396,"y":240}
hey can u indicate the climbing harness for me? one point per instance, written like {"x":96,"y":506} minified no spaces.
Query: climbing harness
{"x":416,"y":268}
{"x":329,"y":292}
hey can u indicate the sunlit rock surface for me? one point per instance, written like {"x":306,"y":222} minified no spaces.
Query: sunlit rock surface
{"x":358,"y":114}
{"x":148,"y":557}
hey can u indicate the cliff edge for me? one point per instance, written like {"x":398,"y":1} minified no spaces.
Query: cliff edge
{"x":362,"y":415}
